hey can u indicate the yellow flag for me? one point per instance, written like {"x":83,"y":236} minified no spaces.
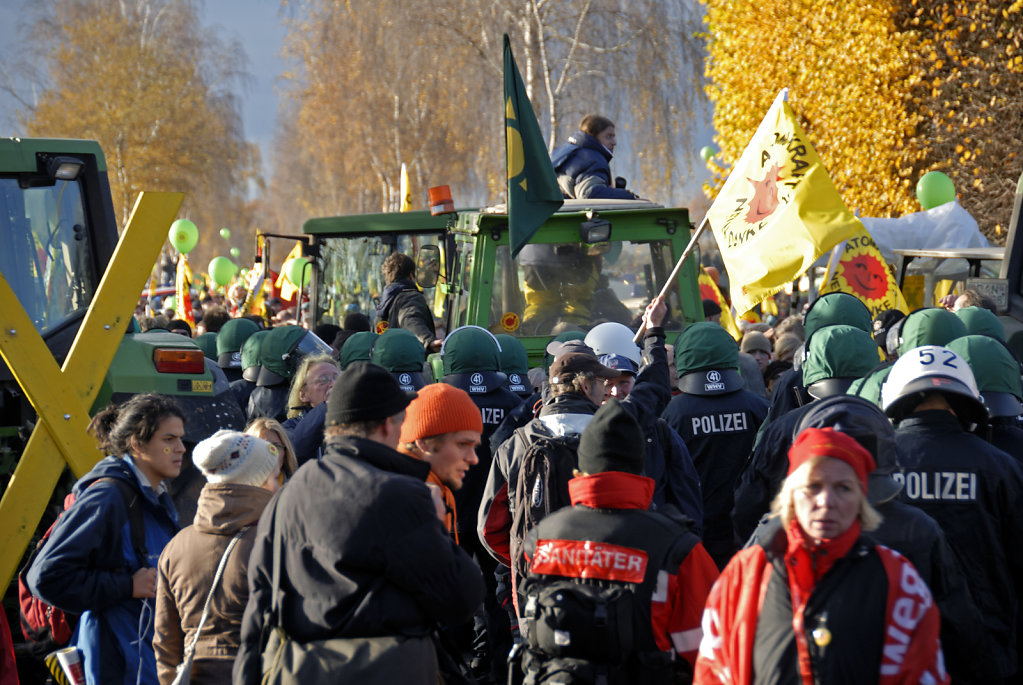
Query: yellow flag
{"x":862,"y":271}
{"x":709,"y":291}
{"x":287,"y":289}
{"x":183,"y":291}
{"x":778,"y":210}
{"x":404,"y":191}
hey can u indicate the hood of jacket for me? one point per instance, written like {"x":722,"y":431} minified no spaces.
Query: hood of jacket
{"x":226,"y":508}
{"x":577,"y":140}
{"x":378,"y":455}
{"x":391,"y":291}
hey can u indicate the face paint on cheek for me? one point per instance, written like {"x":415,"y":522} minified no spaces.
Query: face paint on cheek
{"x":166,"y":450}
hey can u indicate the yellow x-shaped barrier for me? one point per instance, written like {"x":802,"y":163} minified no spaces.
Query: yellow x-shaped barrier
{"x":62,"y":397}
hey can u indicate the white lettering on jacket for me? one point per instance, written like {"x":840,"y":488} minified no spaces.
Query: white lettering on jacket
{"x":909,"y":607}
{"x":944,"y":486}
{"x":734,"y":422}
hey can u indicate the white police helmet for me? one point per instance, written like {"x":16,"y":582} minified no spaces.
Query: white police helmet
{"x":614,"y":338}
{"x":932,"y":368}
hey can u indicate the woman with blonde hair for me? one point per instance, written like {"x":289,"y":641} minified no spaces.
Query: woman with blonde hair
{"x":311,"y":384}
{"x":273,"y":432}
{"x":819,"y":602}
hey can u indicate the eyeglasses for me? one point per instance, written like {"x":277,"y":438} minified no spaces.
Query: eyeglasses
{"x":322,"y":380}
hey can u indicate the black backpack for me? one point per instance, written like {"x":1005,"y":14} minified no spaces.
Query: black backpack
{"x":541,"y":485}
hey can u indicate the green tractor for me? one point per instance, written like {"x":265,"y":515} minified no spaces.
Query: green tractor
{"x":58,"y":231}
{"x":592,"y":261}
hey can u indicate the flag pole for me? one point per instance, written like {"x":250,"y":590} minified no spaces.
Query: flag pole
{"x":674,"y":273}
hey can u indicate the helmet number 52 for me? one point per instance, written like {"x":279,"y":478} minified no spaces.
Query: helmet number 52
{"x":927,"y":357}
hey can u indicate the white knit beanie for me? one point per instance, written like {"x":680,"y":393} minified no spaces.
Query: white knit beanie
{"x":233,"y":457}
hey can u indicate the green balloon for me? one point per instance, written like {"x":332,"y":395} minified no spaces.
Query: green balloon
{"x":222,"y":270}
{"x":170,"y":302}
{"x":295,"y":270}
{"x":183,"y":235}
{"x":935,"y":189}
{"x":235,"y":251}
{"x":708,"y":151}
{"x":225,"y":233}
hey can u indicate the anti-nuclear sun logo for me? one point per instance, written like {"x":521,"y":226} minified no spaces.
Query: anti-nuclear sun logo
{"x":765,"y":195}
{"x":865,"y":275}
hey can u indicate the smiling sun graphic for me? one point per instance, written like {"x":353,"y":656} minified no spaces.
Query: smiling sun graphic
{"x":865,"y":274}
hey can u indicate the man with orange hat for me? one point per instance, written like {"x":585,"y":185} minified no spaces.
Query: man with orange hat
{"x":443,"y":427}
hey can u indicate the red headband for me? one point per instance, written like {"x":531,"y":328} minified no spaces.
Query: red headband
{"x":827,"y":442}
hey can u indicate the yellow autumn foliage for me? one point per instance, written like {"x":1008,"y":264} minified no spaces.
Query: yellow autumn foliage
{"x":886,"y":90}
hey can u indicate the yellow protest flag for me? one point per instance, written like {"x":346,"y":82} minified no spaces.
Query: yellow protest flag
{"x":778,"y":210}
{"x":404,"y":191}
{"x":709,"y":291}
{"x":287,"y":289}
{"x":863,"y":271}
{"x":183,"y":291}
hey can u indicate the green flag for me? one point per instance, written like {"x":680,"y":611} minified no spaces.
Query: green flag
{"x":533,"y":192}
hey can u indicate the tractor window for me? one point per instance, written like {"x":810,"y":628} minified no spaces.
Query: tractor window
{"x":350,"y":272}
{"x":45,"y":253}
{"x":551,"y":288}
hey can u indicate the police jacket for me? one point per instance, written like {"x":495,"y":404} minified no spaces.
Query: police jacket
{"x":676,"y":482}
{"x":583,"y":167}
{"x":762,"y":476}
{"x":609,"y":538}
{"x":1007,"y":435}
{"x":972,"y":490}
{"x":403,"y":306}
{"x":270,"y":401}
{"x":719,"y":432}
{"x":87,"y":565}
{"x":844,"y":611}
{"x":363,"y":554}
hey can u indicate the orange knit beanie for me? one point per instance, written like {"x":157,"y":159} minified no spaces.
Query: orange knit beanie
{"x":440,"y":408}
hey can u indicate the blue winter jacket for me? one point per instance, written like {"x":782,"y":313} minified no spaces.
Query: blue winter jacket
{"x":583,"y":167}
{"x":86,"y":567}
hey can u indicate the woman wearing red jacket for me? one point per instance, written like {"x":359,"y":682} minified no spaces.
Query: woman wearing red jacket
{"x":820,"y":602}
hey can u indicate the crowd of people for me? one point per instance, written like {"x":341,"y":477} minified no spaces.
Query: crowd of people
{"x":828,"y":499}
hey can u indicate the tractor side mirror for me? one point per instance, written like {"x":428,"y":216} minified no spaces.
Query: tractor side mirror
{"x":428,"y":266}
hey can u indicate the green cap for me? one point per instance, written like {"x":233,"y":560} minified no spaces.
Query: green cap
{"x":277,"y":347}
{"x":469,"y":349}
{"x":398,"y":349}
{"x":250,"y":349}
{"x":931,"y":326}
{"x":980,"y":321}
{"x":207,"y":342}
{"x":233,"y":334}
{"x":839,"y":352}
{"x":994,"y":368}
{"x":514,"y":358}
{"x":358,"y":348}
{"x":834,"y":309}
{"x":705,"y":345}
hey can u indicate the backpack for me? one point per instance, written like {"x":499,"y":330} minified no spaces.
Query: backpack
{"x":541,"y":485}
{"x":45,"y":623}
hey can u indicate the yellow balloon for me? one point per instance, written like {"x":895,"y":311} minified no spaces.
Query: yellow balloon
{"x":516,"y":157}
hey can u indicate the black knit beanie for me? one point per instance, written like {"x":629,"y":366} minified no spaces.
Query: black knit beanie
{"x":365,"y":392}
{"x":612,"y":441}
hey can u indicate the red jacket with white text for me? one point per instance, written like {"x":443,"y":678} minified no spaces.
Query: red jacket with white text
{"x":846,"y":610}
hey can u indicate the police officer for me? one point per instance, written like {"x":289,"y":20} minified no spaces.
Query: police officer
{"x":828,"y":310}
{"x":997,"y":373}
{"x":230,"y":339}
{"x":399,"y":351}
{"x":718,"y":420}
{"x":668,"y":461}
{"x":249,"y":356}
{"x":969,"y":487}
{"x":835,"y":357}
{"x":515,"y":364}
{"x":613,"y":592}
{"x":279,"y":353}
{"x":471,"y":358}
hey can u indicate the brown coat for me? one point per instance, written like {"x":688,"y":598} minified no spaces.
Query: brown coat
{"x":186,"y":569}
